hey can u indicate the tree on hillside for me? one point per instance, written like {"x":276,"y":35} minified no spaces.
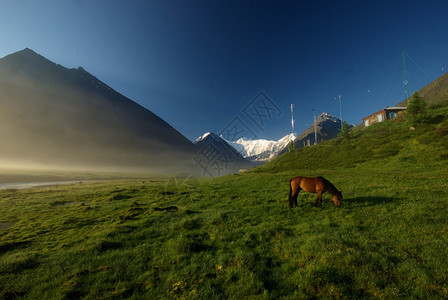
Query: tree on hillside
{"x":416,"y":110}
{"x":291,"y":146}
{"x":345,"y":130}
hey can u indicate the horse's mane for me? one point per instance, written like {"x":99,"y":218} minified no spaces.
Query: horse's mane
{"x":330,"y":187}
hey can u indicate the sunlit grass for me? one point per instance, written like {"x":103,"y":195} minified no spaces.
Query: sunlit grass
{"x":232,"y":236}
{"x":235,"y":236}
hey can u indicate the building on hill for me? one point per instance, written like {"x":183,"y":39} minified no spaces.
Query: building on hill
{"x":389,"y":112}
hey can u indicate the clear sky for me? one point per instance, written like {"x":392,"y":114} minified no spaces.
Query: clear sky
{"x":200,"y":64}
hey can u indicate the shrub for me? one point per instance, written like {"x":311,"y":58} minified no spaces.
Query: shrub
{"x":416,"y":110}
{"x":291,"y":146}
{"x":345,"y":130}
{"x":442,"y":131}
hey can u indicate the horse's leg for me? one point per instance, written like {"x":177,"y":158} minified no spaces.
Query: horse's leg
{"x":295,"y":197}
{"x":291,"y":195}
{"x":319,"y":199}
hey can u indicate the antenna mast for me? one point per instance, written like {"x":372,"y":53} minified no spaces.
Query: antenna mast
{"x":292,"y":118}
{"x":315,"y":129}
{"x":405,"y":77}
{"x":340,"y":107}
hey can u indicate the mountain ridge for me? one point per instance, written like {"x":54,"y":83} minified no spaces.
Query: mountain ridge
{"x":261,"y":150}
{"x":220,"y":156}
{"x":52,"y":115}
{"x":327,"y":128}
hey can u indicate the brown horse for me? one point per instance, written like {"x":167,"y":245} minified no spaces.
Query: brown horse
{"x":317,"y":185}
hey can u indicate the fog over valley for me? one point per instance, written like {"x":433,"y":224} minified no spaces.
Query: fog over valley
{"x":53,"y":117}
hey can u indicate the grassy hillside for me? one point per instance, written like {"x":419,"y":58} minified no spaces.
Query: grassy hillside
{"x":435,"y":93}
{"x":389,"y":145}
{"x":235,"y":236}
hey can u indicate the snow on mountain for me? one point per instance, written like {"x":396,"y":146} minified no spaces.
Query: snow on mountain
{"x":218,"y":144}
{"x":326,"y":127}
{"x":261,"y":150}
{"x":203,"y":137}
{"x":220,"y":155}
{"x":327,"y":117}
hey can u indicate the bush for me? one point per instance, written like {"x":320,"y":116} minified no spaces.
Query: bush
{"x":416,"y":110}
{"x":442,"y":131}
{"x":345,"y":130}
{"x":291,"y":146}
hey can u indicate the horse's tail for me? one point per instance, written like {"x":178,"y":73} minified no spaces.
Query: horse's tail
{"x":291,"y":196}
{"x":290,"y":191}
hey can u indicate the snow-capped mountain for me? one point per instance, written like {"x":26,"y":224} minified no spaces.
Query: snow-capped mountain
{"x":261,"y":150}
{"x":219,"y":144}
{"x":218,"y":157}
{"x":327,"y":128}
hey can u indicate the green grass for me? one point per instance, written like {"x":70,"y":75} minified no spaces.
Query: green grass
{"x":232,"y":237}
{"x":393,"y":143}
{"x":235,"y":236}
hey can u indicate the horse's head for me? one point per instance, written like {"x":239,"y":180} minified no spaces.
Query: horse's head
{"x":337,"y":199}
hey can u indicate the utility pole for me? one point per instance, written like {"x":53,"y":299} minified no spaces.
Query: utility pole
{"x":340,"y":108}
{"x":315,"y":128}
{"x":405,"y":77}
{"x":292,"y":118}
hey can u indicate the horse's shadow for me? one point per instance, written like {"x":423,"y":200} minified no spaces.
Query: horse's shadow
{"x":368,"y":201}
{"x":351,"y":203}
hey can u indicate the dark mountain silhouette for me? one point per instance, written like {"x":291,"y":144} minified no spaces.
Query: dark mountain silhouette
{"x":218,"y":157}
{"x":57,"y":117}
{"x":327,"y":128}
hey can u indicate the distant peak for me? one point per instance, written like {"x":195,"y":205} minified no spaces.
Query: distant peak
{"x":326,"y":116}
{"x":26,"y":54}
{"x":208,"y":136}
{"x":202,"y":137}
{"x":27,"y":51}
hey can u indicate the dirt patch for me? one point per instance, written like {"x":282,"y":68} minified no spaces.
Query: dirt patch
{"x":6,"y":225}
{"x":69,"y":204}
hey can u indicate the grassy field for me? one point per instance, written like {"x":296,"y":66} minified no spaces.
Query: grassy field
{"x":235,"y":236}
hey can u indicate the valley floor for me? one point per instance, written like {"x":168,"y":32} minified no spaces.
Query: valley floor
{"x":233,"y":236}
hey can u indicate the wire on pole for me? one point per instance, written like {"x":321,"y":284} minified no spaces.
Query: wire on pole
{"x":405,"y":77}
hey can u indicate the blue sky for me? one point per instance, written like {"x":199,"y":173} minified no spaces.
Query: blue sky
{"x":201,"y":64}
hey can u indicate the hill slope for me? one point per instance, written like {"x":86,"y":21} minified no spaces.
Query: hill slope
{"x":235,"y":236}
{"x":231,"y":237}
{"x":53,"y":116}
{"x":392,"y":143}
{"x":434,"y":93}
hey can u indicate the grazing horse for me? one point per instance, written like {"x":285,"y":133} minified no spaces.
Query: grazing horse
{"x":317,"y":185}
